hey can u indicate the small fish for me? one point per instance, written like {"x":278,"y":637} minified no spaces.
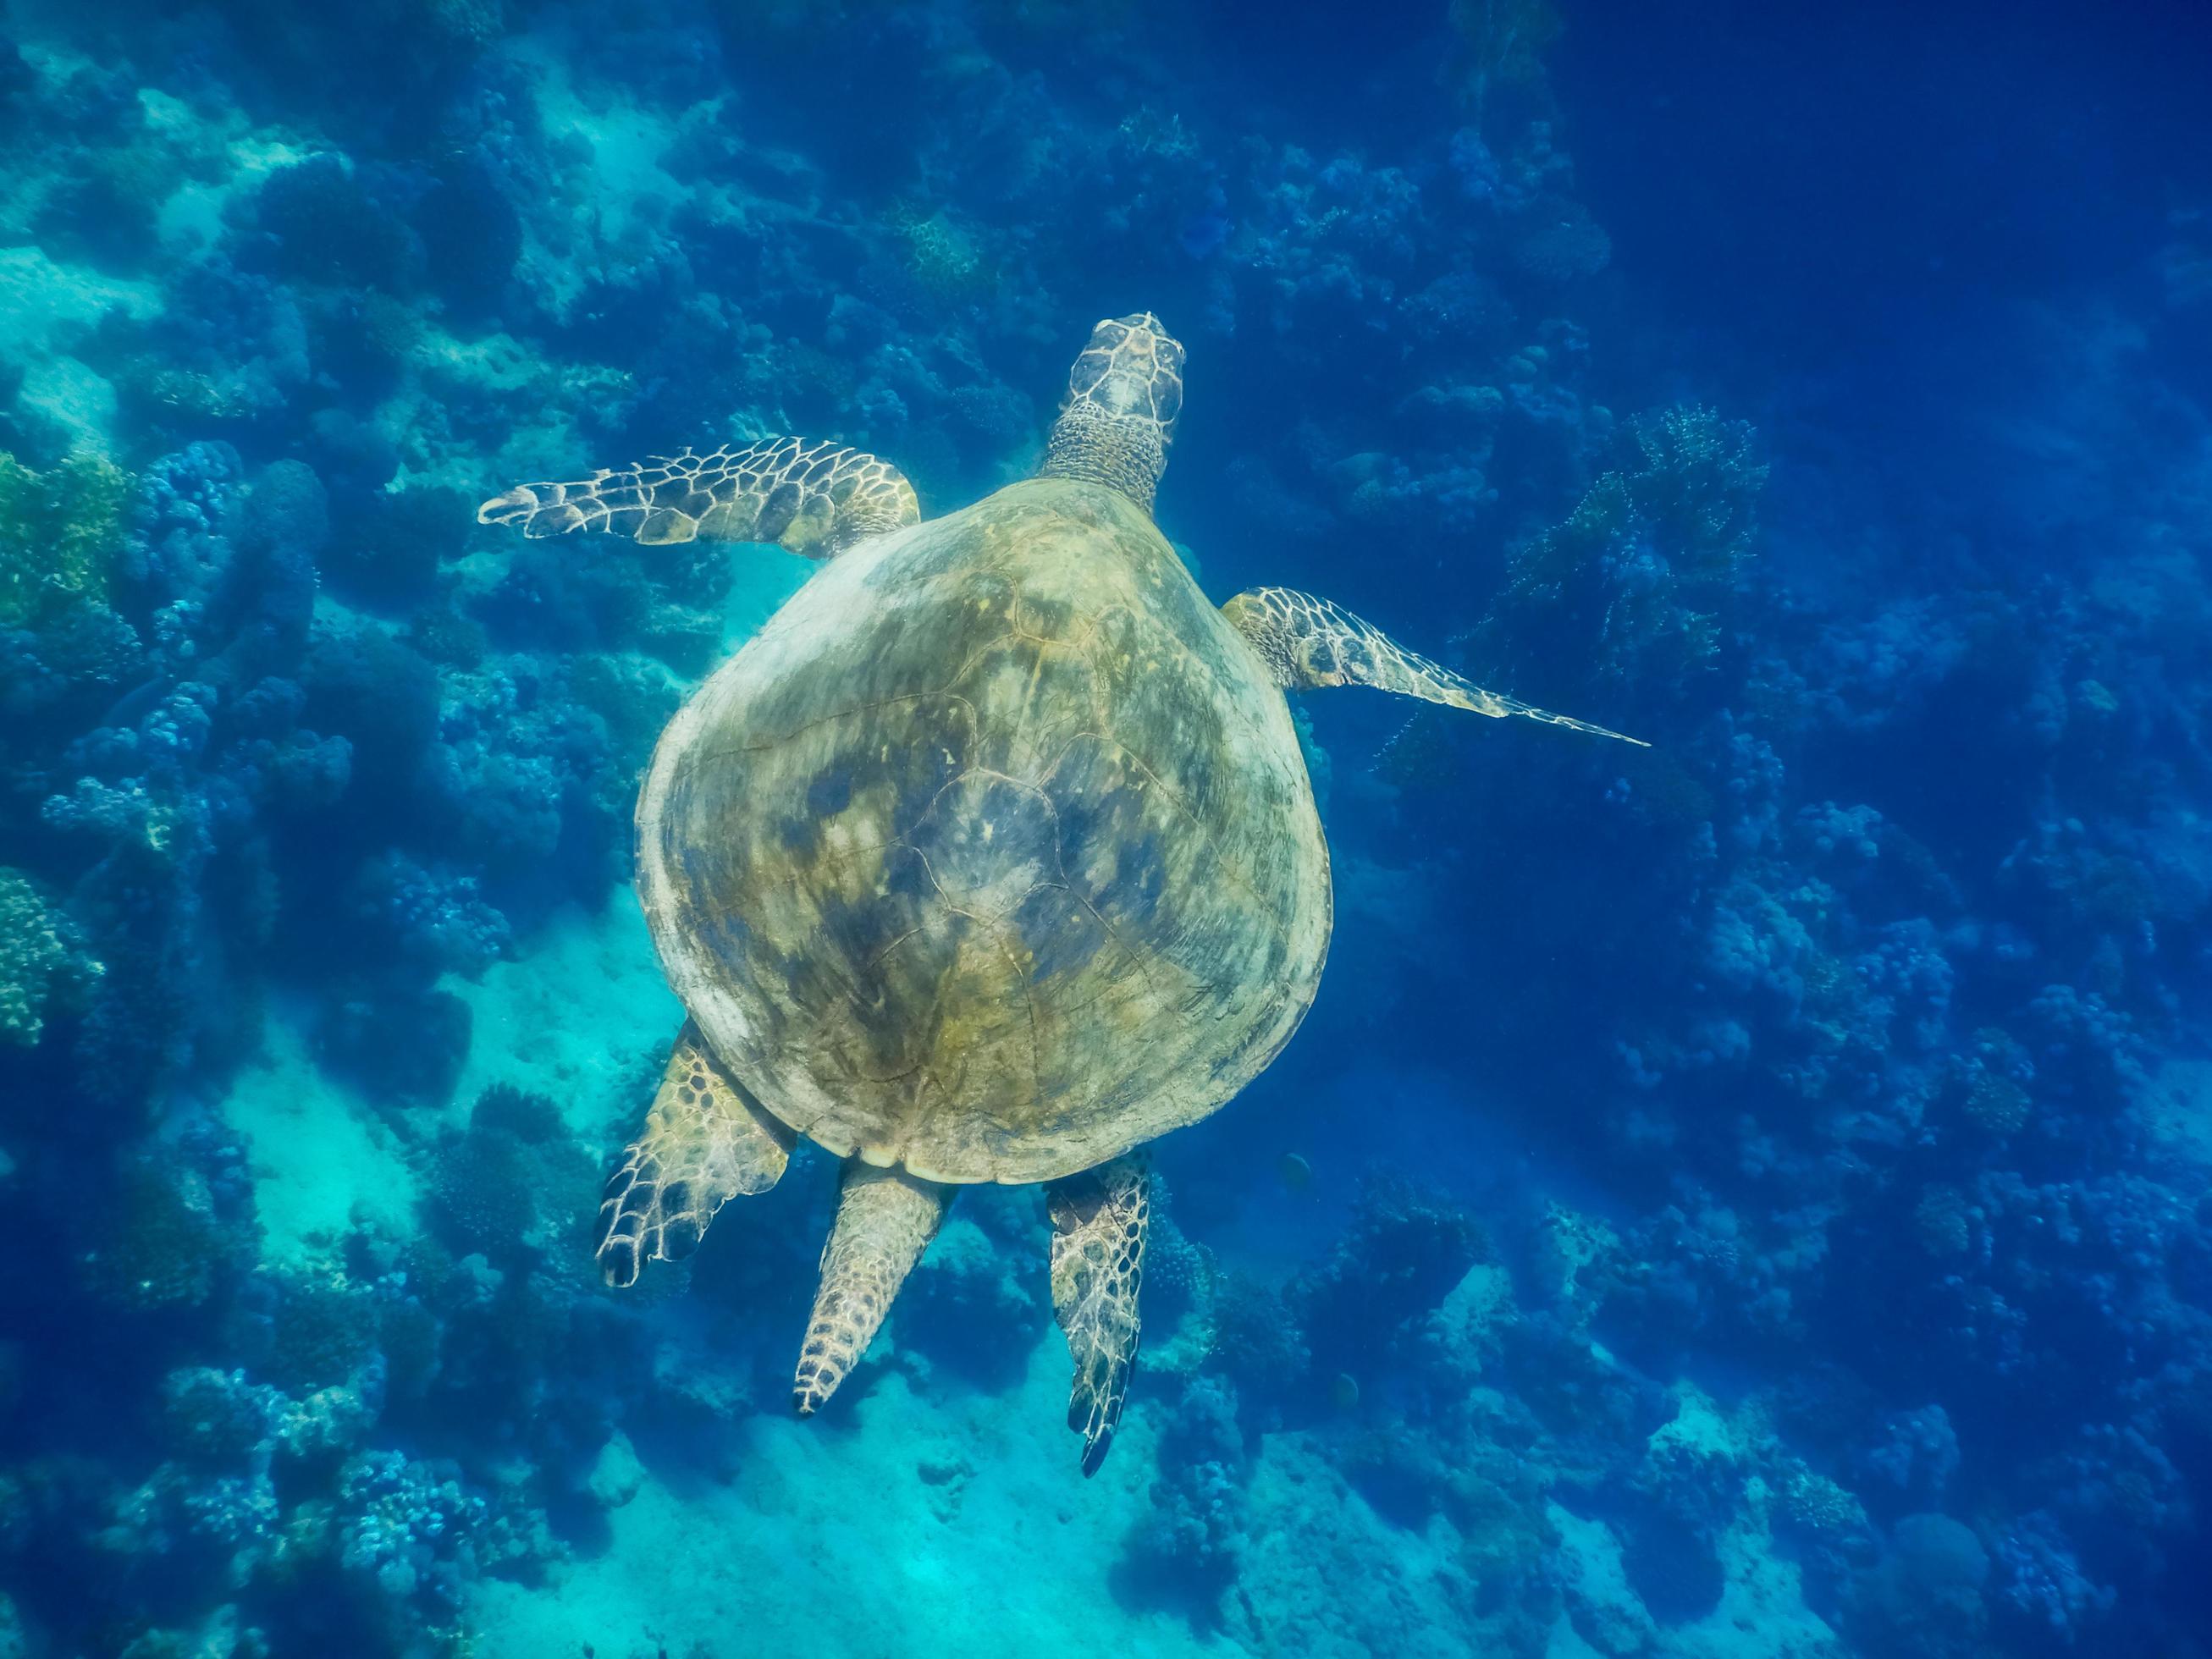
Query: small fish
{"x":1344,"y":1392}
{"x":135,"y":703}
{"x":1296,"y":1174}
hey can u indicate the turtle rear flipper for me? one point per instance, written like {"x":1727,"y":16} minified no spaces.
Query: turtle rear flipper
{"x":704,"y":1142}
{"x":1098,"y":1225}
{"x":886,"y":1220}
{"x":816,"y":498}
{"x":1308,"y":643}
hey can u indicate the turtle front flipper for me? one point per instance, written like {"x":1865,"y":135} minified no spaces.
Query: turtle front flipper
{"x":1308,"y":643}
{"x":886,"y":1220}
{"x":1098,"y":1224}
{"x":704,"y":1142}
{"x":814,"y":498}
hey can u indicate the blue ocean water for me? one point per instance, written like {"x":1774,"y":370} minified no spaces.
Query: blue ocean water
{"x":1742,"y":1198}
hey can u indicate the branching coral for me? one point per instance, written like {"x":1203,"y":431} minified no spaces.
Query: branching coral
{"x":944,"y":257}
{"x":59,"y":533}
{"x":326,"y":1331}
{"x":1820,"y":1508}
{"x":43,"y":966}
{"x":216,"y":1418}
{"x":323,"y":223}
{"x":1635,"y":583}
{"x":485,"y":1192}
{"x":1406,"y":1249}
{"x":513,"y":1184}
{"x":1185,"y":1550}
{"x":166,"y":1245}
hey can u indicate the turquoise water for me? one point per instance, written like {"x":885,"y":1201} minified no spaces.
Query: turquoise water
{"x":1738,"y":1198}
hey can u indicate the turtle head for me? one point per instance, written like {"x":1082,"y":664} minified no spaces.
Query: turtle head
{"x":1123,"y":396}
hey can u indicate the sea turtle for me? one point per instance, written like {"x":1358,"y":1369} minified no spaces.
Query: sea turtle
{"x":991,"y":857}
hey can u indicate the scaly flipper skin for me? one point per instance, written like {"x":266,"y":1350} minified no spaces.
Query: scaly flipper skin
{"x":704,"y":1142}
{"x":1098,"y":1225}
{"x":814,"y":498}
{"x":886,"y":1220}
{"x":1308,"y":643}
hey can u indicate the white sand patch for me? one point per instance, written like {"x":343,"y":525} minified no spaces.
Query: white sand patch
{"x":576,"y":1018}
{"x":321,"y":1159}
{"x":1566,"y":1644}
{"x":1762,"y":1607}
{"x":445,"y":374}
{"x":1600,"y":1599}
{"x":191,"y":220}
{"x":1762,"y":1610}
{"x":899,"y":1525}
{"x":1322,"y":1574}
{"x":44,"y":305}
{"x":79,"y":401}
{"x":617,"y":195}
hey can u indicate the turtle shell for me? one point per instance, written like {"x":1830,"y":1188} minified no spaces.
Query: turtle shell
{"x":994,"y":854}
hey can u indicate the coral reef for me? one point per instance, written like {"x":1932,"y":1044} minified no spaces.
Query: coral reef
{"x":43,"y":969}
{"x":1743,"y":1194}
{"x":58,"y":532}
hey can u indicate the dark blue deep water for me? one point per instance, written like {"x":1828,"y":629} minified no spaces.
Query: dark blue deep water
{"x":1742,"y":1198}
